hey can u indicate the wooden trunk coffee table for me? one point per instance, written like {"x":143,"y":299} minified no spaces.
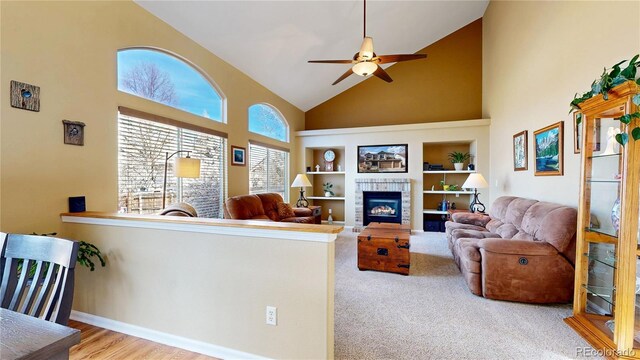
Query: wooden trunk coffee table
{"x":385,"y":247}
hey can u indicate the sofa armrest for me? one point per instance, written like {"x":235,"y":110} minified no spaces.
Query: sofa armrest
{"x":471,"y":218}
{"x":300,"y":212}
{"x":517,"y":247}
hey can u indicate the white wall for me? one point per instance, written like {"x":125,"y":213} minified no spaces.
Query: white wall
{"x":536,"y":56}
{"x":414,"y":135}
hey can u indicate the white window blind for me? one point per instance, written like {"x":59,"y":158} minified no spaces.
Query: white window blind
{"x":142,"y":147}
{"x":268,"y":170}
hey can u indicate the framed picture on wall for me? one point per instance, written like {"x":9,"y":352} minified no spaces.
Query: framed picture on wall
{"x":549,"y":150}
{"x":520,"y":150}
{"x":238,"y":156}
{"x":383,"y":158}
{"x":577,"y":133}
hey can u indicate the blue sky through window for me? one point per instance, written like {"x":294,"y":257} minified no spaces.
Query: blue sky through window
{"x":265,"y":120}
{"x":189,"y":90}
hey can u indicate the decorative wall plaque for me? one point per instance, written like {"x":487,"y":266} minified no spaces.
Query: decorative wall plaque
{"x":25,"y":96}
{"x":73,"y":132}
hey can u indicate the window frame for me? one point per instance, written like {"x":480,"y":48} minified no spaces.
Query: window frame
{"x":204,"y":74}
{"x":287,"y":192}
{"x":280,"y":115}
{"x":180,"y":126}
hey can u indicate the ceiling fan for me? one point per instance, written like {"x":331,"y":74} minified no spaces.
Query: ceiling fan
{"x":366,"y":62}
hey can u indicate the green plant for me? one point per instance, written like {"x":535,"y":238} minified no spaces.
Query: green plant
{"x":458,"y":157}
{"x":327,"y":188}
{"x":454,"y":188}
{"x":609,"y":79}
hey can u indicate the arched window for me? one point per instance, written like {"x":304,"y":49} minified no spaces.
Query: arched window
{"x":169,"y":80}
{"x":266,"y":120}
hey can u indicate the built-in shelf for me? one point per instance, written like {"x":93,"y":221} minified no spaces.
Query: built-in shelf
{"x":434,"y":211}
{"x":464,"y":192}
{"x":325,"y":172}
{"x":449,"y":171}
{"x":338,"y":198}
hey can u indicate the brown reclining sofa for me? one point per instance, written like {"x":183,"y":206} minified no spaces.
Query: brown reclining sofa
{"x":523,"y":251}
{"x":263,"y":207}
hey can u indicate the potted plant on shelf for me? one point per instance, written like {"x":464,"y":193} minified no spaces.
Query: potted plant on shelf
{"x":458,"y":158}
{"x":327,"y":189}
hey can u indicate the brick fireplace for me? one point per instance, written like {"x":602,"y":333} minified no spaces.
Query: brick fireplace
{"x":403,"y":186}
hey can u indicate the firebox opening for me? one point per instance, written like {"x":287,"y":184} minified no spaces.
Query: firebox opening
{"x":382,"y":206}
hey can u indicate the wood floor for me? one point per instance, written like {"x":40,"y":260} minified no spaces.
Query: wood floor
{"x":99,"y":343}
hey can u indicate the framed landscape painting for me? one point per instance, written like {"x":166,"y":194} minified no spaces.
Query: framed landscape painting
{"x":549,"y":150}
{"x":520,"y":149}
{"x":382,"y":158}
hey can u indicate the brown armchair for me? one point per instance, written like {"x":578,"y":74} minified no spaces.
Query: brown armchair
{"x":524,"y":251}
{"x":263,"y":207}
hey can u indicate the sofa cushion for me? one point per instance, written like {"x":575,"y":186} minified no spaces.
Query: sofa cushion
{"x":270,"y":203}
{"x":499,"y":207}
{"x":553,"y":223}
{"x":285,"y":210}
{"x":516,"y":210}
{"x":506,"y":231}
{"x":469,"y":249}
{"x":244,"y":207}
{"x":494,"y":224}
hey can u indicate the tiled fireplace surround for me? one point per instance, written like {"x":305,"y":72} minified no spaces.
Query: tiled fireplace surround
{"x":402,"y":185}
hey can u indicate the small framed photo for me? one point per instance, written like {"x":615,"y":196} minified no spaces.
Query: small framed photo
{"x":520,"y":151}
{"x":549,"y":146}
{"x":238,"y":156}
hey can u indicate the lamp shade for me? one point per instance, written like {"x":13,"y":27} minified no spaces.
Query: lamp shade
{"x":187,"y":167}
{"x":364,"y":68}
{"x":475,"y":181}
{"x":301,"y":180}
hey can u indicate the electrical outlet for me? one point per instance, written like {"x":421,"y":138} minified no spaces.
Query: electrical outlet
{"x":272,"y":315}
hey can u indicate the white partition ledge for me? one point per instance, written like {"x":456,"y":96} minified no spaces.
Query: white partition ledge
{"x":250,"y":228}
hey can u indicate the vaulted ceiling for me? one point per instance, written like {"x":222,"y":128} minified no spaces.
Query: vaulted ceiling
{"x":271,"y":41}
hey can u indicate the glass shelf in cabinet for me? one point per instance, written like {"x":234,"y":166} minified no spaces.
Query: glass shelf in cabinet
{"x":603,"y":232}
{"x":609,"y":261}
{"x":603,"y":292}
{"x":598,"y":156}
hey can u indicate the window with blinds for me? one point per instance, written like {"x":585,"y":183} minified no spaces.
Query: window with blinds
{"x":142,"y":148}
{"x":268,"y":170}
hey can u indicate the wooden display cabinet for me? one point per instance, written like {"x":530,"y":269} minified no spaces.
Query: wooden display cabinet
{"x":606,"y":307}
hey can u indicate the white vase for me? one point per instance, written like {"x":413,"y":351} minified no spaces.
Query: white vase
{"x":327,"y":194}
{"x":458,"y":166}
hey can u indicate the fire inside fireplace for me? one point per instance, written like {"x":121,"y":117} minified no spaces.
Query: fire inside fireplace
{"x":382,"y":206}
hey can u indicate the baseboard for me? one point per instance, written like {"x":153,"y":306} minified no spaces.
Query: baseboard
{"x":201,"y":347}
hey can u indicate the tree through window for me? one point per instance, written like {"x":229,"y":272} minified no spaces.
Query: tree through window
{"x":268,"y":121}
{"x":164,"y":78}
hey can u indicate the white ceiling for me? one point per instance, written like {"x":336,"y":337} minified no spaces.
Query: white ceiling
{"x":271,"y":41}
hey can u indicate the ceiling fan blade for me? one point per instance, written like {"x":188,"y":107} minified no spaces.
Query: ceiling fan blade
{"x":400,"y":57}
{"x":344,"y":76}
{"x":331,"y":61}
{"x":382,"y":74}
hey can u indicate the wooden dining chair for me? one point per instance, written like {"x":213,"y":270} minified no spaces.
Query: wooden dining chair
{"x":37,"y":274}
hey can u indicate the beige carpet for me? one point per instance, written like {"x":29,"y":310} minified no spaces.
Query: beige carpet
{"x":432,"y":315}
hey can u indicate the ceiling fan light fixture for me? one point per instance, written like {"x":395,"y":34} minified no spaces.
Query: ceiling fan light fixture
{"x":364,"y":68}
{"x":366,"y":50}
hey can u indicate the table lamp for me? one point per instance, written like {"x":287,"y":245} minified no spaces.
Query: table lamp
{"x":301,"y":181}
{"x":185,"y":167}
{"x":475,"y":181}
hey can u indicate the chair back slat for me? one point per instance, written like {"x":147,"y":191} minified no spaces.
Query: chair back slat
{"x":47,"y":296}
{"x":34,"y":286}
{"x":22,"y":284}
{"x":44,"y":291}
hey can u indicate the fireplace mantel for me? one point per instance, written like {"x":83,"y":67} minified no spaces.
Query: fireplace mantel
{"x":382,"y":184}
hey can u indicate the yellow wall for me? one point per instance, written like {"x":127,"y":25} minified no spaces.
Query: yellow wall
{"x":536,"y":56}
{"x":446,"y":86}
{"x":69,"y":50}
{"x":213,"y":287}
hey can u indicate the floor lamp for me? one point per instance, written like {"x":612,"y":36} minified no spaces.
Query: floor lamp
{"x":301,"y":181}
{"x":475,"y":181}
{"x":186,"y":167}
